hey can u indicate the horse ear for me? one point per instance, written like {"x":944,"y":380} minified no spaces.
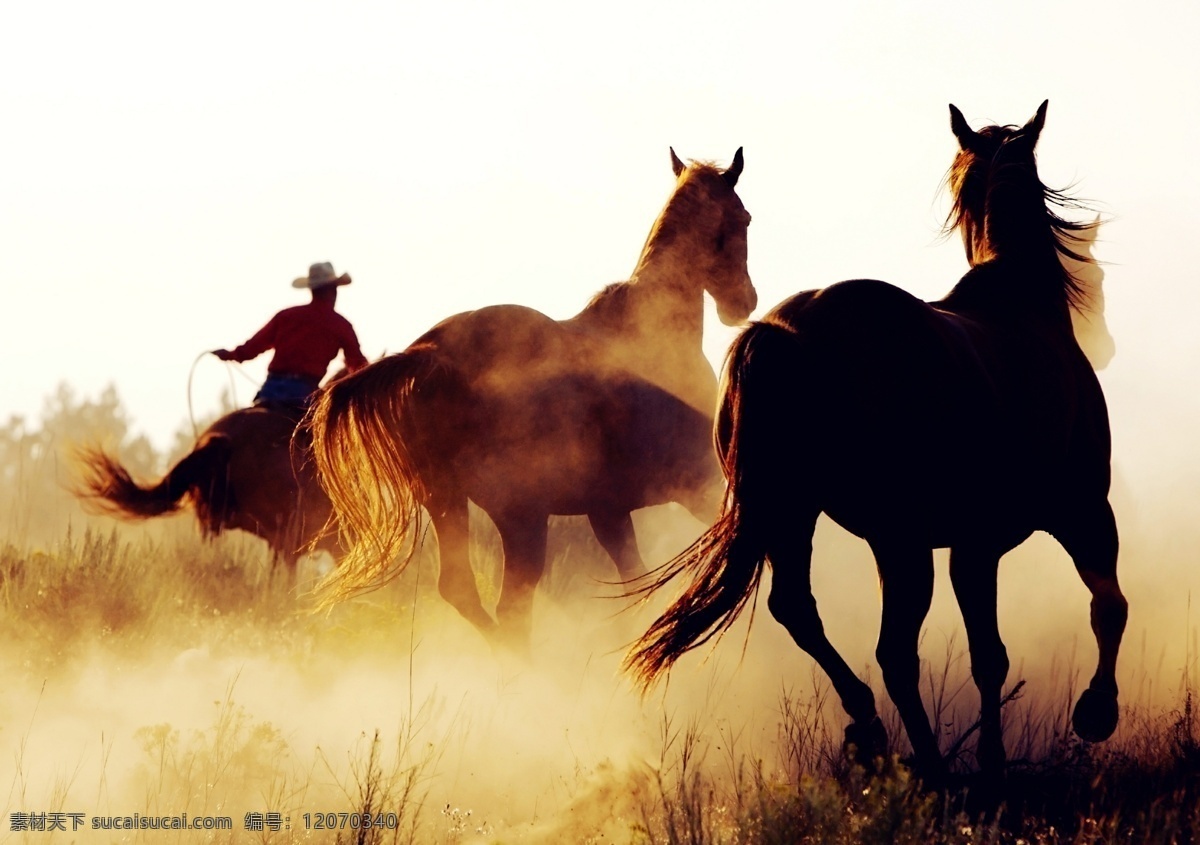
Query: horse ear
{"x":676,"y":165}
{"x":962,"y":131}
{"x":1033,"y":128}
{"x":735,"y":169}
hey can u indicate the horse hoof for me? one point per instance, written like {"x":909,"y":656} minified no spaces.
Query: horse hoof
{"x":865,"y":742}
{"x":1095,"y":716}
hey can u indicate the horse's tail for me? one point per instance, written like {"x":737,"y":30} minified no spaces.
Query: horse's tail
{"x":726,"y":562}
{"x":362,"y":431}
{"x":201,"y":476}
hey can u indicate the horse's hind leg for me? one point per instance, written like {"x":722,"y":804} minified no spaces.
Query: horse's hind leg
{"x":615,"y":532}
{"x":793,"y":605}
{"x":973,"y":573}
{"x":1089,"y":535}
{"x":906,"y":576}
{"x":456,"y":580}
{"x":523,"y":536}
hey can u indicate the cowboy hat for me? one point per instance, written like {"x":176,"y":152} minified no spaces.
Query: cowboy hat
{"x":321,"y":275}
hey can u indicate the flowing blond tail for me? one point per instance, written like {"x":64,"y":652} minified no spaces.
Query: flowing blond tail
{"x":362,"y":426}
{"x":200,"y":477}
{"x":726,"y":562}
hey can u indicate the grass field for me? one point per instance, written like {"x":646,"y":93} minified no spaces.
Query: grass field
{"x":149,"y":673}
{"x":166,"y":677}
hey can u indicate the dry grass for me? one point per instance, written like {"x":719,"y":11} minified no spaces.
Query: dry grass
{"x":100,"y":598}
{"x":148,"y":672}
{"x":1142,"y":788}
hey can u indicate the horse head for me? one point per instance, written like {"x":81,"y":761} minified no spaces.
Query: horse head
{"x":972,"y":175}
{"x":1002,"y":208}
{"x":702,"y":235}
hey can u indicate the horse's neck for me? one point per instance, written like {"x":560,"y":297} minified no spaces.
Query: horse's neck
{"x":1009,"y":290}
{"x":666,"y":310}
{"x":653,"y":326}
{"x":662,"y":304}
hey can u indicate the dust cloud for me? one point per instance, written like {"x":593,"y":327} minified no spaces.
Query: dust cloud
{"x":164,"y":676}
{"x":229,"y":713}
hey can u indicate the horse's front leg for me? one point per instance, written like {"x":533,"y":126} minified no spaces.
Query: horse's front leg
{"x":523,"y":537}
{"x":1088,"y":532}
{"x":614,"y":530}
{"x":973,"y":573}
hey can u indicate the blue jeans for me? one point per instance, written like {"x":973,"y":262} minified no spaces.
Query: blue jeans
{"x":282,"y":388}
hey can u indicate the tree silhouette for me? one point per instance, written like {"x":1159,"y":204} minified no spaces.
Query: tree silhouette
{"x":36,"y":461}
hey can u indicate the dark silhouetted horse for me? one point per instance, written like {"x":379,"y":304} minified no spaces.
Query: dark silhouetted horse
{"x":600,"y":414}
{"x":966,"y":423}
{"x":244,"y":472}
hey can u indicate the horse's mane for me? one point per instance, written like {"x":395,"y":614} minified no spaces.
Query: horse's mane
{"x":686,"y":202}
{"x":1001,"y":204}
{"x":703,"y":195}
{"x":611,"y":303}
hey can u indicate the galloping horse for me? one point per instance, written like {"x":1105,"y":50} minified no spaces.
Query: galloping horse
{"x":243,"y":473}
{"x":966,"y":423}
{"x":601,"y":414}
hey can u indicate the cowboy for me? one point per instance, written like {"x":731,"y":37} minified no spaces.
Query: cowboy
{"x":306,"y":338}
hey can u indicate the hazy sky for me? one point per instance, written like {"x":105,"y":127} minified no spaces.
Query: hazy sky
{"x":169,"y":168}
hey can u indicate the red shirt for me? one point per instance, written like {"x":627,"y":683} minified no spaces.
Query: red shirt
{"x":305,"y":339}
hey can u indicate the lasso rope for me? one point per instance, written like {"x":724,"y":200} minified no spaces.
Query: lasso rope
{"x":230,"y":367}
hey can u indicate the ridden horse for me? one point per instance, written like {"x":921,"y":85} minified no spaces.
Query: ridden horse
{"x":244,"y":472}
{"x":967,"y":423}
{"x":600,"y":414}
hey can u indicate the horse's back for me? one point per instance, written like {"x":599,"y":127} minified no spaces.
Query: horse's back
{"x":543,"y":407}
{"x":857,"y":310}
{"x":519,"y":410}
{"x":272,"y":489}
{"x":928,"y":417}
{"x":860,"y":297}
{"x":260,"y":447}
{"x":495,"y":338}
{"x":256,"y":425}
{"x":867,"y":332}
{"x":895,"y":417}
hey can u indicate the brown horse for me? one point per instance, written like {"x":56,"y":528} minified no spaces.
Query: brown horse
{"x":242,"y":473}
{"x":966,"y":423}
{"x":526,"y":416}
